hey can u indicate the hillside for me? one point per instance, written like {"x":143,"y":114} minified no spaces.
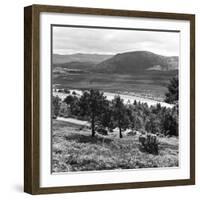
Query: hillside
{"x":137,"y":61}
{"x":73,"y":149}
{"x":79,"y":57}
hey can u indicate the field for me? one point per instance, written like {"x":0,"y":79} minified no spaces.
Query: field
{"x":73,"y":149}
{"x":152,"y":85}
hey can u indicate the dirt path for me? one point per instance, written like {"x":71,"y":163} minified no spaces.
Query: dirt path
{"x":74,"y":121}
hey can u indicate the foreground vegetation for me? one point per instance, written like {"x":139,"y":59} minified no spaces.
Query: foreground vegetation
{"x":73,"y":149}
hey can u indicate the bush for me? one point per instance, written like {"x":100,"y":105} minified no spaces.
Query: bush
{"x":149,"y":143}
{"x":74,"y":93}
{"x":56,"y":102}
{"x":60,"y":90}
{"x":66,"y":91}
{"x":131,"y":133}
{"x":102,"y":131}
{"x":64,"y":110}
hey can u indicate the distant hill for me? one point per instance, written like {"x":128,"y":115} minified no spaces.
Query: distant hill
{"x":137,"y":61}
{"x":79,"y":57}
{"x":75,"y":65}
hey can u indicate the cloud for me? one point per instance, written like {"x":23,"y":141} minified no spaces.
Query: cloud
{"x":69,"y":40}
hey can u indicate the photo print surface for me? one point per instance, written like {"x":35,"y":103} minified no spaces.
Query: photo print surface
{"x":114,"y":98}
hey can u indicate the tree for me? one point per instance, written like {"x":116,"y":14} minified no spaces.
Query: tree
{"x":69,"y":99}
{"x":170,"y":122}
{"x":91,"y":105}
{"x":74,"y":93}
{"x":173,"y":91}
{"x":56,"y":102}
{"x":153,"y":124}
{"x":120,"y":114}
{"x":73,"y":103}
{"x":132,"y":116}
{"x":170,"y":117}
{"x":105,"y":119}
{"x":66,"y":91}
{"x":139,"y":123}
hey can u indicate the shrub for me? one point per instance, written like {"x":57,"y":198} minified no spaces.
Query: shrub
{"x":74,"y":93}
{"x":60,"y":90}
{"x":149,"y":143}
{"x":56,"y":102}
{"x":66,"y":91}
{"x":131,"y":133}
{"x":102,"y":131}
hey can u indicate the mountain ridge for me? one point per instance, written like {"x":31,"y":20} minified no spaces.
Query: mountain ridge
{"x":80,"y":57}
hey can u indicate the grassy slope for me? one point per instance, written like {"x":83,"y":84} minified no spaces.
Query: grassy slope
{"x":75,"y":150}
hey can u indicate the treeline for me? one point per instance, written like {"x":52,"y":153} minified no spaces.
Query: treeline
{"x":104,"y":114}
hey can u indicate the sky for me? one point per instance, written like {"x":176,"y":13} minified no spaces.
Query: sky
{"x":70,"y":40}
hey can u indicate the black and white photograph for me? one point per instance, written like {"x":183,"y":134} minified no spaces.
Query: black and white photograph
{"x":114,"y":98}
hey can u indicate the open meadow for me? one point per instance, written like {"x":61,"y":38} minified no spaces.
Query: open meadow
{"x":73,"y":149}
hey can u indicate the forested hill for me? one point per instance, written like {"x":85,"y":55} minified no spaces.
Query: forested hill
{"x":138,"y":61}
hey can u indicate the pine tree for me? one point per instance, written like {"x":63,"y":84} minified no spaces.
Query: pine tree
{"x":120,"y":114}
{"x":91,"y":105}
{"x":173,"y":91}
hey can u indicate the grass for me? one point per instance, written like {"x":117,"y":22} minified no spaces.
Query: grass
{"x":73,"y":149}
